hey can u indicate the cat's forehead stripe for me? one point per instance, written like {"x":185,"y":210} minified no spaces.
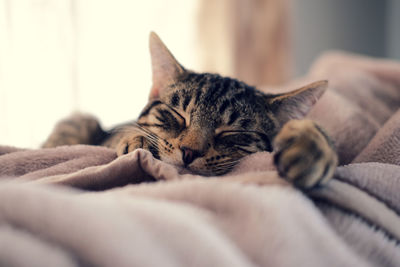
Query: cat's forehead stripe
{"x":213,"y":101}
{"x":233,"y":117}
{"x":209,"y":96}
{"x":226,"y":86}
{"x":186,"y":100}
{"x":206,"y":85}
{"x":198,"y":94}
{"x":175,"y":99}
{"x":147,"y":110}
{"x":223,"y":106}
{"x":246,"y":123}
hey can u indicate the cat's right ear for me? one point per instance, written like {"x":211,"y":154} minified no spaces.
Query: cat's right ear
{"x":296,"y":104}
{"x":165,"y":68}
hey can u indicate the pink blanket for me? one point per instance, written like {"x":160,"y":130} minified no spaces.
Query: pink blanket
{"x":250,"y":217}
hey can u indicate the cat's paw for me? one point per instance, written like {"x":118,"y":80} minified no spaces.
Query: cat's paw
{"x":75,"y":129}
{"x":130,"y":143}
{"x":304,"y":154}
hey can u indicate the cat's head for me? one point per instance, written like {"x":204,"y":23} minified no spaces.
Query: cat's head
{"x":207,"y":123}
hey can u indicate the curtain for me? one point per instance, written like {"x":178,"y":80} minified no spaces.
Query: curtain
{"x":246,"y":39}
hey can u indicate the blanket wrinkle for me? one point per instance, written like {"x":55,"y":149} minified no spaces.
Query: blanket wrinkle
{"x":100,"y":210}
{"x":378,"y":179}
{"x":156,"y":168}
{"x":344,"y":120}
{"x":385,"y":146}
{"x":380,"y":251}
{"x":127,"y":168}
{"x":360,"y":203}
{"x":385,"y":70}
{"x":45,"y":162}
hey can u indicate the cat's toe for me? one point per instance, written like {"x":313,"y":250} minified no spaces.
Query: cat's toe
{"x":303,"y":155}
{"x":304,"y":170}
{"x":128,"y":145}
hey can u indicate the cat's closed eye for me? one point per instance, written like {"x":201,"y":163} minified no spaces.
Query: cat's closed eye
{"x":240,"y":139}
{"x":234,"y":138}
{"x":163,"y":117}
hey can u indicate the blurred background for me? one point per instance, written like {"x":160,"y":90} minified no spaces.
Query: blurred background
{"x":58,"y":56}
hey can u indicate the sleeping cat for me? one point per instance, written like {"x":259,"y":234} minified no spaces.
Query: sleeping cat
{"x":206,"y":123}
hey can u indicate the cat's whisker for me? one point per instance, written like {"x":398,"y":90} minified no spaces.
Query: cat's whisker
{"x":150,"y":137}
{"x":221,"y":171}
{"x":153,"y":139}
{"x":228,"y":166}
{"x":224,"y":167}
{"x":227,"y":162}
{"x":136,"y":127}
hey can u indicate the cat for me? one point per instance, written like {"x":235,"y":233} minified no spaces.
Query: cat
{"x":207,"y":123}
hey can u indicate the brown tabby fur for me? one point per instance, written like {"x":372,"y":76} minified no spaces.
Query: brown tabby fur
{"x":206,"y":123}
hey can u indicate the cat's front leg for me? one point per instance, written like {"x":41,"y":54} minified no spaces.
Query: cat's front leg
{"x":128,"y":139}
{"x":130,"y":142}
{"x":304,"y":155}
{"x":76,"y":129}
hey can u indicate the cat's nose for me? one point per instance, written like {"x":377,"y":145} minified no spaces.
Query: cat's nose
{"x":188,"y":155}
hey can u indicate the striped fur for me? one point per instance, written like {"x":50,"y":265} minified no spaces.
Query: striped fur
{"x":218,"y":118}
{"x":206,"y":123}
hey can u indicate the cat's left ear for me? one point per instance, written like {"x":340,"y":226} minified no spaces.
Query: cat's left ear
{"x":166,"y":69}
{"x":296,"y":104}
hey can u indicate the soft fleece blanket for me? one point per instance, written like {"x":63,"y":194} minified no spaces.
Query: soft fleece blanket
{"x":82,"y":206}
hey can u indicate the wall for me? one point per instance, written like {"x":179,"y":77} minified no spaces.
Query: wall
{"x":393,"y":29}
{"x":369,"y":27}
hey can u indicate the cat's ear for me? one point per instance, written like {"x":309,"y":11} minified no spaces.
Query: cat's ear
{"x":296,"y":104}
{"x":166,"y":69}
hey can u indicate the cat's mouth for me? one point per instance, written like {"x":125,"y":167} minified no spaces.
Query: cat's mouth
{"x":209,"y":166}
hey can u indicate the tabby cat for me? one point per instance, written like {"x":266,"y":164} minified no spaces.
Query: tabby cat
{"x":206,"y":123}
